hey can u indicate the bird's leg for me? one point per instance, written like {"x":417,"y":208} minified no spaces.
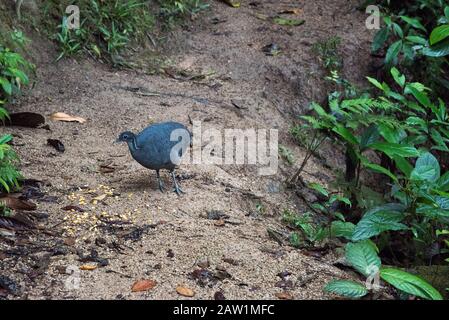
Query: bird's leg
{"x":177,"y":189}
{"x":161,"y":185}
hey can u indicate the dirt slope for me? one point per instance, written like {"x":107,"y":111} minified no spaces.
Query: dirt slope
{"x":271,"y":90}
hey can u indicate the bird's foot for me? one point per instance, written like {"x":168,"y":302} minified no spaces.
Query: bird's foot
{"x":178,"y":190}
{"x":161,"y":187}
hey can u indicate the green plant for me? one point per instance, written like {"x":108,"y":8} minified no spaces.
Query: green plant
{"x":416,"y":36}
{"x":363,"y":257}
{"x":106,"y":30}
{"x":286,"y":154}
{"x":9,"y":175}
{"x":309,"y":233}
{"x":109,"y":29}
{"x":173,"y":11}
{"x":328,"y":53}
{"x":12,"y":77}
{"x":12,"y":74}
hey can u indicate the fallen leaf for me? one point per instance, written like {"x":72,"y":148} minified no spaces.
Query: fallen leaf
{"x":284,"y":295}
{"x":25,"y":119}
{"x":88,"y":267}
{"x":99,"y":198}
{"x":288,"y":22}
{"x":69,"y":241}
{"x":220,"y":223}
{"x":261,"y":16}
{"x":17,"y":204}
{"x":183,"y":291}
{"x":60,"y":116}
{"x":75,"y":208}
{"x":232,"y":3}
{"x":143,"y":285}
{"x":106,"y":169}
{"x":295,"y":11}
{"x":57,"y":144}
{"x":219,"y":296}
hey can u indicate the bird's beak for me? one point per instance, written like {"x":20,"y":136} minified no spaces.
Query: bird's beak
{"x":116,"y":141}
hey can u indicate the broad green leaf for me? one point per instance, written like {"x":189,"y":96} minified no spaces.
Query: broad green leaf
{"x":6,"y":85}
{"x":393,"y":52}
{"x":438,"y":34}
{"x":421,"y":97}
{"x":427,"y":168}
{"x":394,"y":149}
{"x":376,"y":83}
{"x":400,"y":79}
{"x":440,"y":49}
{"x":363,"y":257}
{"x":380,"y":38}
{"x":392,"y":135}
{"x":403,"y":165}
{"x":345,"y":134}
{"x":417,"y":39}
{"x":379,"y":169}
{"x":375,"y":221}
{"x":443,"y":182}
{"x":346,"y":288}
{"x":415,"y":23}
{"x":342,"y":229}
{"x":410,"y":283}
{"x":319,"y":188}
{"x":370,"y":136}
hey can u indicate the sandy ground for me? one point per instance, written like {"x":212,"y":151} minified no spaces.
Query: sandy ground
{"x":242,"y":259}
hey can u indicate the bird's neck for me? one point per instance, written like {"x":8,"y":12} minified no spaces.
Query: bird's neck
{"x":133,"y":145}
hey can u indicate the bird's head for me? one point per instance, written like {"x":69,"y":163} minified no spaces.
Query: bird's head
{"x":126,"y":136}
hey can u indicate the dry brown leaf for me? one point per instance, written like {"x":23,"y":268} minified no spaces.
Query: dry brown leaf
{"x":106,"y":169}
{"x":295,"y":11}
{"x":88,"y":267}
{"x":284,"y":295}
{"x":61,"y":116}
{"x":143,"y":285}
{"x":220,"y":223}
{"x":17,"y":204}
{"x":100,"y":198}
{"x":183,"y":291}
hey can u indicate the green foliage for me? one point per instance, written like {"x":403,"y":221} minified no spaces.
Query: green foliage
{"x":345,"y":288}
{"x":173,"y":11}
{"x":328,"y":52}
{"x":286,"y":154}
{"x":13,"y":76}
{"x":363,"y":256}
{"x":9,"y":175}
{"x":12,"y":73}
{"x":410,"y":284}
{"x":309,"y":233}
{"x":416,"y":34}
{"x":109,"y":29}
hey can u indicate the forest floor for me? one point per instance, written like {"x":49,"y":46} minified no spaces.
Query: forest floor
{"x":161,"y":236}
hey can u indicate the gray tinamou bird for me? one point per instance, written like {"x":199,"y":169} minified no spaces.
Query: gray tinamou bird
{"x":154,"y":149}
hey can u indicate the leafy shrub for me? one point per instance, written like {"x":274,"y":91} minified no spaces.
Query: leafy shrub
{"x":108,"y":29}
{"x":172,"y":11}
{"x":363,"y":256}
{"x":416,"y":35}
{"x":12,"y":77}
